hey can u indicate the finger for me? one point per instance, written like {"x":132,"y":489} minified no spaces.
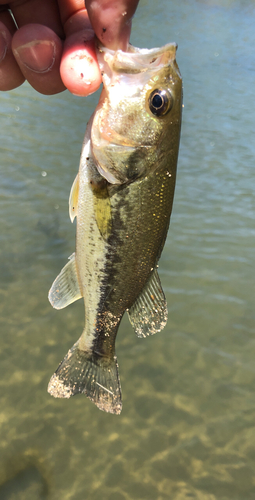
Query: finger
{"x":111,"y":21}
{"x":38,"y":51}
{"x":79,"y":67}
{"x":10,"y":74}
{"x":67,"y":8}
{"x":39,"y":61}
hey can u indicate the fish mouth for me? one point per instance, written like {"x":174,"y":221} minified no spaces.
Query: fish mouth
{"x":106,"y":143}
{"x":135,"y":60}
{"x":109,"y":139}
{"x":108,"y":135}
{"x":104,"y":135}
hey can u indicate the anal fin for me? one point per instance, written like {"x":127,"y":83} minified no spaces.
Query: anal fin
{"x":65,"y":289}
{"x":148,"y":315}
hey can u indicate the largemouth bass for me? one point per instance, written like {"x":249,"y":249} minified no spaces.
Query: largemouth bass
{"x":122,"y":198}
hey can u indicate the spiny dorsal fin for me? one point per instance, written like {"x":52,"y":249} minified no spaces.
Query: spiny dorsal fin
{"x":73,"y":198}
{"x":148,"y":315}
{"x":65,"y":289}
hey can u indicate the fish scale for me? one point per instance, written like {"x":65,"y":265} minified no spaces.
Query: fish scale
{"x":122,"y":198}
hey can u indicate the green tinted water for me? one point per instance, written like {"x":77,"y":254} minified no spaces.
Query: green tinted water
{"x":187,"y":429}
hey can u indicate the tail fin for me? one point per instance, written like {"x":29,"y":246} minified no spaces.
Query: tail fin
{"x":88,"y":373}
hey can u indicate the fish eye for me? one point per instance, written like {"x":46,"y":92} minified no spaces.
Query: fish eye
{"x":160,"y":102}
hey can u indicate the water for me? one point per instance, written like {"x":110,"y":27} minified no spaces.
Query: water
{"x":187,"y":426}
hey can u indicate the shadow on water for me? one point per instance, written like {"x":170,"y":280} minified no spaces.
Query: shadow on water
{"x":49,"y":226}
{"x":47,"y":230}
{"x":24,"y":477}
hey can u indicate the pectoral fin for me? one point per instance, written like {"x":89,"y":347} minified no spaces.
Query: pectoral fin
{"x":73,"y":199}
{"x":65,"y":289}
{"x":102,"y":207}
{"x":148,"y":315}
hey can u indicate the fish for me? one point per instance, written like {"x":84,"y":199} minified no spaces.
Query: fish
{"x":122,"y":200}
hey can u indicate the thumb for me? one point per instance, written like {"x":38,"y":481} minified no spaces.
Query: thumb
{"x":79,"y":68}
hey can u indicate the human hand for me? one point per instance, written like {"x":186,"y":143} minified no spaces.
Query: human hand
{"x":54,"y":48}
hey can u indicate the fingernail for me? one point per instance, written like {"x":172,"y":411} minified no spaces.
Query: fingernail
{"x":3,"y":47}
{"x":37,"y":56}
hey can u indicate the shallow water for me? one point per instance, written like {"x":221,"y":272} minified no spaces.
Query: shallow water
{"x":187,"y":429}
